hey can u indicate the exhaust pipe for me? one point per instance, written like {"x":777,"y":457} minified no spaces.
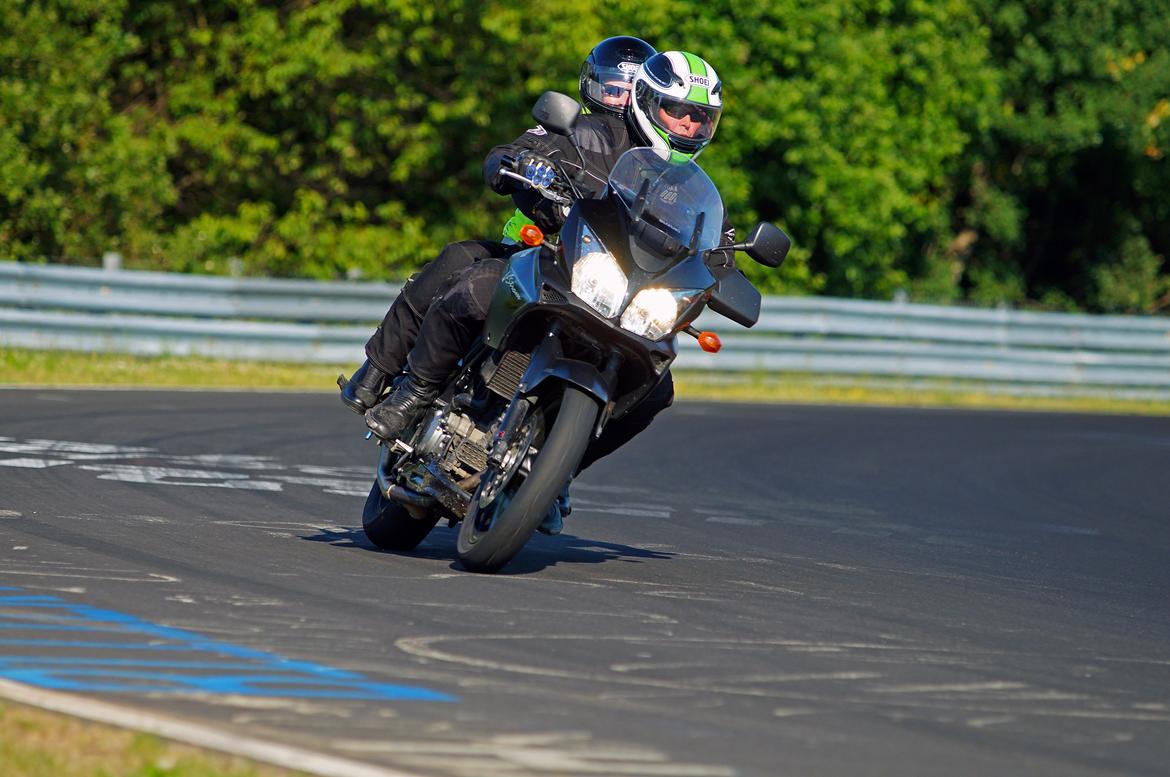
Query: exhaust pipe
{"x":418,"y":505}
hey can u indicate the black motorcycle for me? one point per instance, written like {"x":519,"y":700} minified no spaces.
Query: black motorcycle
{"x":577,"y":333}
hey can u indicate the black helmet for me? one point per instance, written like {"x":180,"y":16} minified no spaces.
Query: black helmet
{"x":609,"y":70}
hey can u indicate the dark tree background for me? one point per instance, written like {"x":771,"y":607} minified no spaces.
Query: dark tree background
{"x":958,"y":149}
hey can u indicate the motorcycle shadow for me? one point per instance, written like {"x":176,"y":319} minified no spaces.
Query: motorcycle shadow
{"x":540,"y":553}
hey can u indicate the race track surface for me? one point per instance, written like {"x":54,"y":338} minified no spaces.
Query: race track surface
{"x":743,"y":590}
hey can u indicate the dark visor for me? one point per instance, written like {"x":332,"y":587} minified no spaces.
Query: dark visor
{"x":705,"y":117}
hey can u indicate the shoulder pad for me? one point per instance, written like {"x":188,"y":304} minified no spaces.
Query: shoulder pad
{"x":594,"y":133}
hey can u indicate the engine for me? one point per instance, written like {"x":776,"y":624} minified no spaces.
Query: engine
{"x":454,"y":441}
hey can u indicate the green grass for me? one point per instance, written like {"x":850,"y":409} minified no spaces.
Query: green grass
{"x":35,"y":743}
{"x":20,"y":367}
{"x":66,"y":369}
{"x":887,"y":392}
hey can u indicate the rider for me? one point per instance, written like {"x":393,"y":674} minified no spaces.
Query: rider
{"x":606,"y":76}
{"x":675,"y":106}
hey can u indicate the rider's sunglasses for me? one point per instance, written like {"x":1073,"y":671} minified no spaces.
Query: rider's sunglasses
{"x":680,"y":110}
{"x":615,"y":90}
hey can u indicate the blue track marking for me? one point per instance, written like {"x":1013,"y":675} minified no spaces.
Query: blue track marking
{"x":211,"y":666}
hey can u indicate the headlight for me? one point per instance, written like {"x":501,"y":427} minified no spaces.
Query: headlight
{"x":652,"y":313}
{"x":597,"y":278}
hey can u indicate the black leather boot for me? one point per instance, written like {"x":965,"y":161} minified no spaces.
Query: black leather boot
{"x":364,"y":389}
{"x":402,"y":408}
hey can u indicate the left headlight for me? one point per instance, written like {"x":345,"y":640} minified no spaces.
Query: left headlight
{"x":652,"y":313}
{"x":597,"y":278}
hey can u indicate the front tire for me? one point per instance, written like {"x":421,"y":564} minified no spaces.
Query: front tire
{"x":490,"y":536}
{"x":388,"y":525}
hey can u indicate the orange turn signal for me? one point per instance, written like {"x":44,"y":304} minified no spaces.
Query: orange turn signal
{"x":530,"y":235}
{"x":709,"y":342}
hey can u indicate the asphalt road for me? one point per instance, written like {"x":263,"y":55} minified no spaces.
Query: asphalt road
{"x":741,"y":591}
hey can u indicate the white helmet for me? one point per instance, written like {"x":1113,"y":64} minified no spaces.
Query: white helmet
{"x":677,"y":101}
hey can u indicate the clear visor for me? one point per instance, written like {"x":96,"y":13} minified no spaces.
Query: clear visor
{"x":682,"y":119}
{"x":609,"y":85}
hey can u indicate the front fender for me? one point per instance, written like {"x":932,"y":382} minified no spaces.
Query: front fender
{"x":548,"y":361}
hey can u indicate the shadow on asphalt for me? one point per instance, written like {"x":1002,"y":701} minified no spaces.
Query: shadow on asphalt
{"x":540,"y":552}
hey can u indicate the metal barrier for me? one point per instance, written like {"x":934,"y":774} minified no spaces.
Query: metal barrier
{"x":60,"y":307}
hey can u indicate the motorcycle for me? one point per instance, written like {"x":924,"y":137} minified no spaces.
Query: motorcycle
{"x":577,"y":333}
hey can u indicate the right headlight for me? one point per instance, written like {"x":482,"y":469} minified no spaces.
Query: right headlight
{"x":652,"y":313}
{"x":597,"y":278}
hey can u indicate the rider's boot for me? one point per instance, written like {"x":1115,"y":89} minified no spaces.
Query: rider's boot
{"x":364,"y":388}
{"x":554,"y":520}
{"x":411,"y":396}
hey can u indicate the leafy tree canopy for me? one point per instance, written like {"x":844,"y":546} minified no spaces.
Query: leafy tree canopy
{"x":987,"y":150}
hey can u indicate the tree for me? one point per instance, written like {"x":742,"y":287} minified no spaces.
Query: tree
{"x":987,"y":150}
{"x":847,"y":121}
{"x":1066,"y":197}
{"x":77,"y":176}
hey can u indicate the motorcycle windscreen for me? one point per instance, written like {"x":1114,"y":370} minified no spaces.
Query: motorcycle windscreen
{"x":674,"y":206}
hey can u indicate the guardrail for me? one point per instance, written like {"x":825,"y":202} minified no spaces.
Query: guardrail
{"x":61,"y":307}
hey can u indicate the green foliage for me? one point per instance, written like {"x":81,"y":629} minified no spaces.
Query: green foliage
{"x":76,"y":173}
{"x":1067,"y":190}
{"x":844,"y":121}
{"x":983,"y":150}
{"x":1133,"y":282}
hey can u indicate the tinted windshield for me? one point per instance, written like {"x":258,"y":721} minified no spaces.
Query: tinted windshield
{"x":675,"y":196}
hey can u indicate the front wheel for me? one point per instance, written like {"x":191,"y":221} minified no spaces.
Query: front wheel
{"x":501,"y":520}
{"x":388,"y":525}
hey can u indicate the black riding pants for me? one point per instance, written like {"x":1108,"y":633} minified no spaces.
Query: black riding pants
{"x":619,"y":432}
{"x":392,"y":341}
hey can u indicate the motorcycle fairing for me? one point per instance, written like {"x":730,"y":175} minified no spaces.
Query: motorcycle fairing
{"x":734,"y":297}
{"x":519,"y":286}
{"x":605,"y":218}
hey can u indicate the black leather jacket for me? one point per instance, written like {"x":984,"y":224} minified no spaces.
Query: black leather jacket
{"x":603,"y":139}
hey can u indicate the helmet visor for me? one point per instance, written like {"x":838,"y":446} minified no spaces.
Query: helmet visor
{"x":690,"y":125}
{"x":609,"y":86}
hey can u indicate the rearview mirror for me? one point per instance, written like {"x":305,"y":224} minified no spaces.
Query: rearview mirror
{"x":767,"y":244}
{"x":556,"y":112}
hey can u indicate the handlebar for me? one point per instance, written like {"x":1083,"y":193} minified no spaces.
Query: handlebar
{"x":556,"y":190}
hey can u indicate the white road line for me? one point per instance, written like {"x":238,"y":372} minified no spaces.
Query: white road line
{"x":634,"y":512}
{"x":541,"y":754}
{"x":951,"y":687}
{"x":196,"y":734}
{"x":84,"y":573}
{"x":27,"y":463}
{"x":735,"y":520}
